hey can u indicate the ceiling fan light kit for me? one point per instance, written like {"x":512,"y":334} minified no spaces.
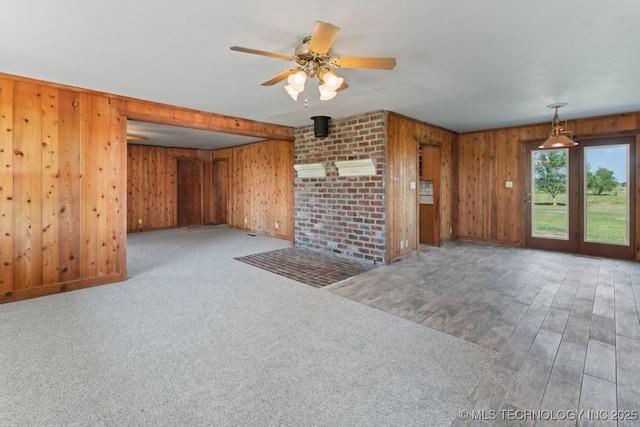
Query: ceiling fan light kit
{"x":314,"y":60}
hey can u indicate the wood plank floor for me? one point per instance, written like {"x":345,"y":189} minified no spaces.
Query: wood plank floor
{"x":565,"y":327}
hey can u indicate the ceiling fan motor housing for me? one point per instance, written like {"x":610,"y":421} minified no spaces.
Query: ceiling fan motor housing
{"x":302,"y":51}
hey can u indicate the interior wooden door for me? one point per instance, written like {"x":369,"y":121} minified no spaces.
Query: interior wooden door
{"x":220,"y":190}
{"x":429,"y":195}
{"x":189,"y":197}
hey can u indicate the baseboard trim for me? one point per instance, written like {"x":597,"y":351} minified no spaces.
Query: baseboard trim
{"x":40,"y":291}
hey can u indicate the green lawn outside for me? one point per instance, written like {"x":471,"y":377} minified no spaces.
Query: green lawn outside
{"x":606,"y":216}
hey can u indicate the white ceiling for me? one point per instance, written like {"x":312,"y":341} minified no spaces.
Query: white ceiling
{"x":461,"y":64}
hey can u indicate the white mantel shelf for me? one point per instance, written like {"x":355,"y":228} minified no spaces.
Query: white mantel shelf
{"x":311,"y":170}
{"x":360,"y":167}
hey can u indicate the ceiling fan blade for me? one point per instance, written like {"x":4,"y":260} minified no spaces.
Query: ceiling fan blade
{"x":353,"y":62}
{"x":343,"y":86}
{"x":322,"y":37}
{"x":280,"y":77}
{"x":262,"y":52}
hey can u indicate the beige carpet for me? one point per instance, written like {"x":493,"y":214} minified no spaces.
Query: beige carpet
{"x":197,"y":338}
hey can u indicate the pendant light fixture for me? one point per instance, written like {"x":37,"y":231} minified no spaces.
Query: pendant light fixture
{"x":558,"y":137}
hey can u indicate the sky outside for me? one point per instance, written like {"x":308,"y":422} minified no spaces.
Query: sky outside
{"x":613,"y":158}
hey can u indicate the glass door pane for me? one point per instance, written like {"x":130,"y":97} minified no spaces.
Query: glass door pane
{"x":549,"y":207}
{"x":606,"y":195}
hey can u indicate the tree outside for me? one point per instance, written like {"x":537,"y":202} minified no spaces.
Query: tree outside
{"x":550,"y":173}
{"x":605,"y":210}
{"x":600,"y":181}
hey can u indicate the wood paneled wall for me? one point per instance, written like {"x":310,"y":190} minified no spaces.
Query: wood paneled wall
{"x":152,"y":185}
{"x":63,"y":181}
{"x":260,"y":190}
{"x":62,"y":208}
{"x":403,"y":137}
{"x":489,"y":211}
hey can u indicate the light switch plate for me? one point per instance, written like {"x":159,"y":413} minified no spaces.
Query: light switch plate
{"x":509,"y":184}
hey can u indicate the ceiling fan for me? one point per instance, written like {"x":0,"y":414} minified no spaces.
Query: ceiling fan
{"x":314,"y":60}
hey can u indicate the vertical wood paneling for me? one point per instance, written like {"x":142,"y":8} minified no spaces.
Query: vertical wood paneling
{"x":116,"y":197}
{"x":69,"y":186}
{"x":403,"y":135}
{"x":207,"y":193}
{"x":220,"y":191}
{"x":260,"y":187}
{"x":448,"y":186}
{"x":61,"y":177}
{"x":88,"y":190}
{"x":283,"y":187}
{"x":489,"y":211}
{"x":152,"y":185}
{"x":63,"y":188}
{"x":7,"y":232}
{"x":133,"y":186}
{"x":63,"y":196}
{"x":100,"y":139}
{"x":50,"y":185}
{"x":27,"y":186}
{"x":402,"y":199}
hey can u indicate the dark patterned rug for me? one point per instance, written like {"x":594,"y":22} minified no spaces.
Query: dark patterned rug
{"x":310,"y":267}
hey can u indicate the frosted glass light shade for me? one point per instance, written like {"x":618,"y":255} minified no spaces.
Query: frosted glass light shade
{"x":331,"y":81}
{"x":292,"y":92}
{"x":297,"y":80}
{"x":326,"y":93}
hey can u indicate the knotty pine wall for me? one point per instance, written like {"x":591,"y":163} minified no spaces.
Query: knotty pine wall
{"x":63,"y":181}
{"x":403,"y":138}
{"x":152,"y":185}
{"x":62,"y":208}
{"x":487,"y":210}
{"x":260,"y":188}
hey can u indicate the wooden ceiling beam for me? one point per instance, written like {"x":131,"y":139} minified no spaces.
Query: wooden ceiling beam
{"x":151,"y":112}
{"x":154,"y":112}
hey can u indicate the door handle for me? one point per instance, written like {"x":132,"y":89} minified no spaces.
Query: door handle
{"x":527,"y":198}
